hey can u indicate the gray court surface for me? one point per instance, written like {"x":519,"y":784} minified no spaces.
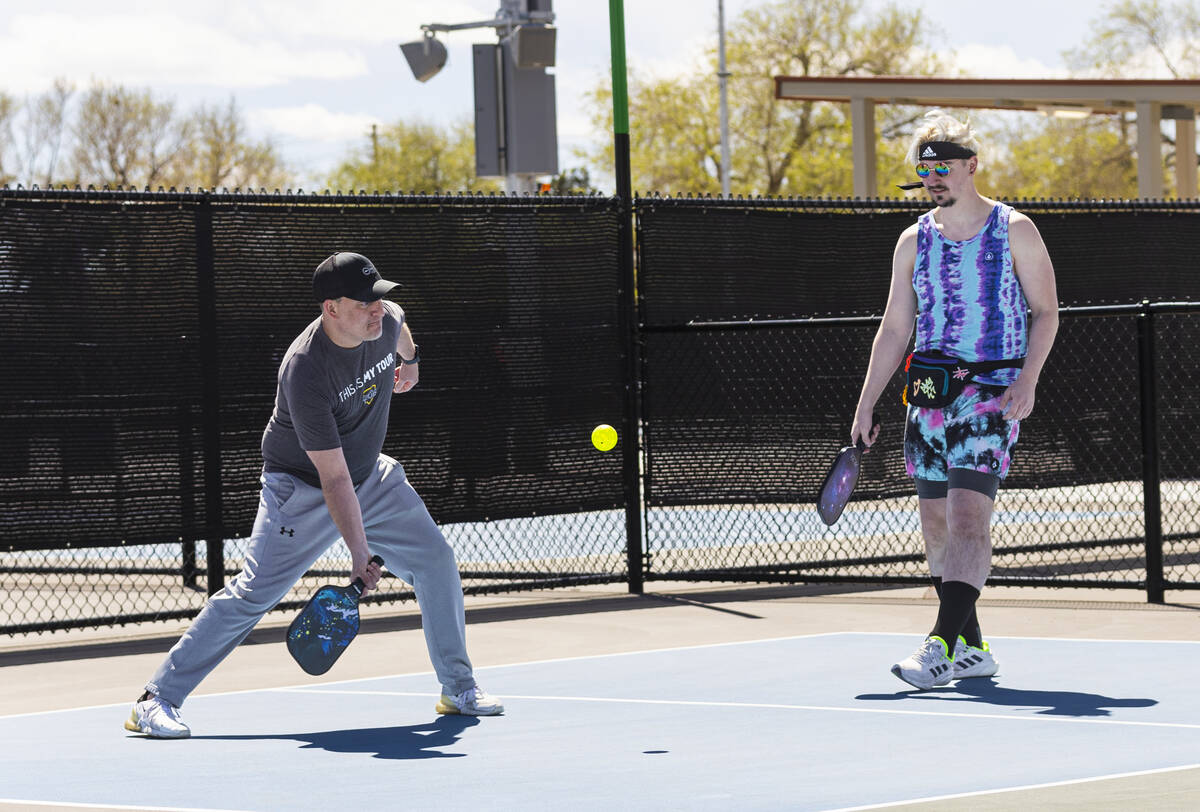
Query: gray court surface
{"x":804,"y":722}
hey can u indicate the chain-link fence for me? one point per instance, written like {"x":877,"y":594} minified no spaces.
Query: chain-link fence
{"x":143,"y":331}
{"x":142,"y":337}
{"x":743,"y":419}
{"x":757,"y":318}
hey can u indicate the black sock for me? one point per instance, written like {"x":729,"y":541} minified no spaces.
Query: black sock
{"x":957,"y":605}
{"x":970,"y":632}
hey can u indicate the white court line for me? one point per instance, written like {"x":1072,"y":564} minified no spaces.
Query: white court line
{"x":1026,"y":637}
{"x":1110,"y":776}
{"x":430,"y":672}
{"x":767,"y":706}
{"x":697,"y":646}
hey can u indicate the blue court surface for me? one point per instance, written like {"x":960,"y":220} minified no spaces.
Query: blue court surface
{"x":813,"y":722}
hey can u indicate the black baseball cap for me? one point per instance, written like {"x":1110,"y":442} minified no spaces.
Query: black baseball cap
{"x":352,"y":275}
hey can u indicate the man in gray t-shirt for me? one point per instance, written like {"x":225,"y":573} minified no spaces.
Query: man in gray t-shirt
{"x":324,"y":478}
{"x":332,"y":396}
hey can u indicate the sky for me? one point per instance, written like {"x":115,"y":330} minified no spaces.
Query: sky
{"x":314,"y":75}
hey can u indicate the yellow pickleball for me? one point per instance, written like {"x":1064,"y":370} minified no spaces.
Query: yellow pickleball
{"x":604,"y":437}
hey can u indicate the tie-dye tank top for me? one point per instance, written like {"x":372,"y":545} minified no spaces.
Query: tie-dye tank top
{"x":969,"y":302}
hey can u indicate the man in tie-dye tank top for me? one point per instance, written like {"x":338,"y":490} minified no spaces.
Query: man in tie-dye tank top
{"x":974,"y":277}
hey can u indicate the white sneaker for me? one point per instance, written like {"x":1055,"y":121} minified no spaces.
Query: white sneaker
{"x":928,"y":667}
{"x":970,"y":661}
{"x":471,"y":702}
{"x":158,"y":719}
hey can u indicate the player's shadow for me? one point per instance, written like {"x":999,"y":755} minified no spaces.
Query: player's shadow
{"x":397,"y":742}
{"x":1053,"y":703}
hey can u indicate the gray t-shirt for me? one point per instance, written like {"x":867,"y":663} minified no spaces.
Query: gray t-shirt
{"x":330,"y":397}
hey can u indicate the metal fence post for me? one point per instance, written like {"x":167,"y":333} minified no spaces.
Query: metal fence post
{"x":631,"y":424}
{"x":1152,"y":497}
{"x":187,"y":497}
{"x":210,"y":408}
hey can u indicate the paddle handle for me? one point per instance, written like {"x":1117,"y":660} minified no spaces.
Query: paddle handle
{"x":874,"y":425}
{"x":357,"y":583}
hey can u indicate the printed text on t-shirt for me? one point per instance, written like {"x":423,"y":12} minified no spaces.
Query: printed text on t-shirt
{"x":368,"y":375}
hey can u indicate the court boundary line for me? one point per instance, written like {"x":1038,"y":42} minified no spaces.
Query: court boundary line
{"x":766,"y":706}
{"x":1048,"y":785}
{"x":429,"y":672}
{"x":1029,"y":637}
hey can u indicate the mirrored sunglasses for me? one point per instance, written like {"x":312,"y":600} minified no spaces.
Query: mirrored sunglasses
{"x":941,"y":169}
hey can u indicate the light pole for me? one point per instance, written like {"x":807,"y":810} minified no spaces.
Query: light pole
{"x":515,"y":123}
{"x":723,"y":77}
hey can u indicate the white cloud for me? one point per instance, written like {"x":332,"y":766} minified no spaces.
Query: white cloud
{"x":355,"y":20}
{"x":154,"y":49}
{"x":312,"y":122}
{"x":1002,"y":62}
{"x":293,"y":64}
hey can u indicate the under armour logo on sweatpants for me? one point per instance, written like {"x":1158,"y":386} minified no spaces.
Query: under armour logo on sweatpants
{"x":285,"y":531}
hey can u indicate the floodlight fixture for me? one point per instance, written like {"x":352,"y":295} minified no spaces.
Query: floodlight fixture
{"x":425,"y":57}
{"x":534,"y":45}
{"x":516,"y":135}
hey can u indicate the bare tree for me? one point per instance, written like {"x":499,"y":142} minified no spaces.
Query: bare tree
{"x":221,"y":153}
{"x":8,"y":110}
{"x":44,"y":131}
{"x":125,"y":137}
{"x":1133,"y":37}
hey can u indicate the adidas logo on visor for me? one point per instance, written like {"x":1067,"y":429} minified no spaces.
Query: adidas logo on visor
{"x":928,"y":153}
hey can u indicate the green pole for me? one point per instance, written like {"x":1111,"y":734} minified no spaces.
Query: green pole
{"x":616,"y":25}
{"x":631,"y":418}
{"x":620,"y":94}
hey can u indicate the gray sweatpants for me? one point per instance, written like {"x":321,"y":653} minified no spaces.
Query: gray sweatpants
{"x":292,"y":529}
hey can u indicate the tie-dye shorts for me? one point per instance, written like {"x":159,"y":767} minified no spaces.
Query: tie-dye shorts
{"x":970,"y":433}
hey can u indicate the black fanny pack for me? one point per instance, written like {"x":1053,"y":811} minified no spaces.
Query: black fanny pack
{"x":934,"y":379}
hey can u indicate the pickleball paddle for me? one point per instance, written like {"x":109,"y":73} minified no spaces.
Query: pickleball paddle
{"x":326,"y":625}
{"x":840,"y":481}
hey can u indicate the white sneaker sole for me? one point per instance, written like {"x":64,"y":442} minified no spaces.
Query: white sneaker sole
{"x":449,"y":708}
{"x":133,"y":725}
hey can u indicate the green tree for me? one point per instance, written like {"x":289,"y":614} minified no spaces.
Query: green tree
{"x":1094,"y":157}
{"x":413,"y":157}
{"x":1059,"y":158}
{"x":777,"y":147}
{"x":572,"y":182}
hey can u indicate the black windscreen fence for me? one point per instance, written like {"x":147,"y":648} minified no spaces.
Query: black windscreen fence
{"x":101,"y":363}
{"x":757,"y":323}
{"x":514,"y":307}
{"x":143,"y":332}
{"x":731,"y":260}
